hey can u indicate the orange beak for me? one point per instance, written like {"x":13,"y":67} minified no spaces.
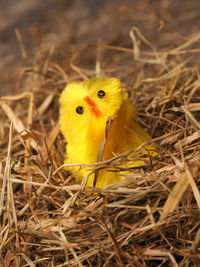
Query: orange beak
{"x":92,"y":106}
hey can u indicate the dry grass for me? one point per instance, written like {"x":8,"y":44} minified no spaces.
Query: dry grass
{"x":151,"y":218}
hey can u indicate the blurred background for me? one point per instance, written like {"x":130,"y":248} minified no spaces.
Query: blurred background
{"x":29,"y":29}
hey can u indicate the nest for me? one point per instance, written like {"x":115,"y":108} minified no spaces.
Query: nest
{"x":151,"y":218}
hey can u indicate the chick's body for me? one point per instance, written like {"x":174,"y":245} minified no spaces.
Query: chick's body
{"x":85,"y":108}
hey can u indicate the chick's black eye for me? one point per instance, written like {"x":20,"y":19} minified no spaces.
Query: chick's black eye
{"x":101,"y":93}
{"x":79,"y":110}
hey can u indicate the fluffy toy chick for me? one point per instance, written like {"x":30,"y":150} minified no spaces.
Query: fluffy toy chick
{"x":84,"y":110}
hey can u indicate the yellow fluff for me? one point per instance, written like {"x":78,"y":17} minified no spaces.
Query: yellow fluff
{"x":84,"y":110}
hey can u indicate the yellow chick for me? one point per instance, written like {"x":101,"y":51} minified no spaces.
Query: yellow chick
{"x":84,"y":110}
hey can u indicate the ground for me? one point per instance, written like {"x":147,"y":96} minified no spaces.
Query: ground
{"x":70,"y":24}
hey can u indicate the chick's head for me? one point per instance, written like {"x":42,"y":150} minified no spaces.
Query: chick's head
{"x":88,"y":104}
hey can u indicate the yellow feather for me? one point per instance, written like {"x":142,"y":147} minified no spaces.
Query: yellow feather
{"x":84,"y":129}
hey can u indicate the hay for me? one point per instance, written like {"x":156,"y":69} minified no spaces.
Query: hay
{"x":151,"y":218}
